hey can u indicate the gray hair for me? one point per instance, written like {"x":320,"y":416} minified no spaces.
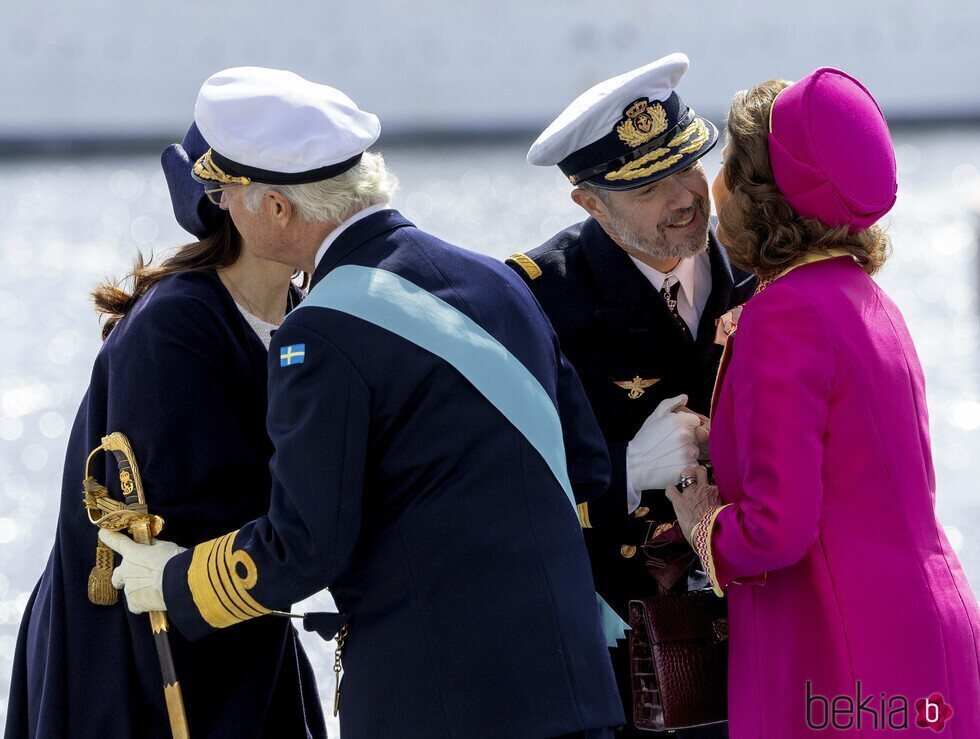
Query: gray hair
{"x":599,"y":192}
{"x":367,"y":183}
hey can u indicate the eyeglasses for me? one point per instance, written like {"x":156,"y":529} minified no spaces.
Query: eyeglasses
{"x":214,"y":179}
{"x":214,"y":194}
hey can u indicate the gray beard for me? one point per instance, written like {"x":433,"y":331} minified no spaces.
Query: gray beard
{"x":655,"y":244}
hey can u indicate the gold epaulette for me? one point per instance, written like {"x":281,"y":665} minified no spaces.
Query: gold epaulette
{"x":583,"y":515}
{"x":526,"y":263}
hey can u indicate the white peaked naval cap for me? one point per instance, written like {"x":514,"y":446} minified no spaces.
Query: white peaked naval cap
{"x":273,"y":126}
{"x":632,"y":115}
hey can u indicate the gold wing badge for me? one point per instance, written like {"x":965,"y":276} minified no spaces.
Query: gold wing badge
{"x":637,"y":386}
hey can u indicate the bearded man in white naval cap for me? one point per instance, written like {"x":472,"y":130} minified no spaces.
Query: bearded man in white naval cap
{"x":431,"y":444}
{"x":635,"y":292}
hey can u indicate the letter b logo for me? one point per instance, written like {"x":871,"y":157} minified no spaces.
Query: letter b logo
{"x":932,"y":712}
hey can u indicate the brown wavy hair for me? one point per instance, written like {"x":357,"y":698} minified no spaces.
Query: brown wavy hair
{"x":763,"y":234}
{"x":219,"y":249}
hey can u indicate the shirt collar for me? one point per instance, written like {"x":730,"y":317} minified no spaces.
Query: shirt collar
{"x":333,"y":235}
{"x":686,"y":272}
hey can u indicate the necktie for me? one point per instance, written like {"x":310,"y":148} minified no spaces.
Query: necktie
{"x":670,"y":290}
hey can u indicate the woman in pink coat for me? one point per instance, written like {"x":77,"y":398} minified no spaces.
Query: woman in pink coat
{"x":849,"y":612}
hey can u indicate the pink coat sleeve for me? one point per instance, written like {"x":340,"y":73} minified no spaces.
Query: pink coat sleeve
{"x":781,"y":377}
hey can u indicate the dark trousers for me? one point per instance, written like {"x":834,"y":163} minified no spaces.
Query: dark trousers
{"x":620,"y":663}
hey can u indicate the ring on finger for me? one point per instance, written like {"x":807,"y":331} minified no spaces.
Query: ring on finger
{"x":687,"y":481}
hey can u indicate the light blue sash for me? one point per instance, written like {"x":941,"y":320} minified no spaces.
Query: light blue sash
{"x":397,"y":305}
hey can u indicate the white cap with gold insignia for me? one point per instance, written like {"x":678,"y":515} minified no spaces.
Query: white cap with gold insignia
{"x":273,"y":126}
{"x":627,"y":131}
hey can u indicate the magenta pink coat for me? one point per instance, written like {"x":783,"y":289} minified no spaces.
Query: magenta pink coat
{"x":820,"y":443}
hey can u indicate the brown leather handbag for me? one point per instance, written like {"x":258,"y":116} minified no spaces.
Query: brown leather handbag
{"x":678,"y":649}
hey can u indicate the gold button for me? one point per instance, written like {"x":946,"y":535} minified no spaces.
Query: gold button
{"x":642,"y":511}
{"x":627,"y":550}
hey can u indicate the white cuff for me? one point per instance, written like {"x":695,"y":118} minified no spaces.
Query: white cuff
{"x":632,"y":496}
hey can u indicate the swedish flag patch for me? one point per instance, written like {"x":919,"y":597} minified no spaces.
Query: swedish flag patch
{"x":292,"y":354}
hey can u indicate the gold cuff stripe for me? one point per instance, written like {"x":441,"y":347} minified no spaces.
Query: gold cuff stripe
{"x":583,"y":515}
{"x":199,"y":583}
{"x":527,"y":264}
{"x":222,"y":612}
{"x":224,"y":567}
{"x":225,"y":603}
{"x":696,"y":134}
{"x":206,"y":169}
{"x":712,"y":575}
{"x":243,"y":584}
{"x":219,"y":592}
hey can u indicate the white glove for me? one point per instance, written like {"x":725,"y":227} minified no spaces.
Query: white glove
{"x":664,"y":446}
{"x":141,"y":571}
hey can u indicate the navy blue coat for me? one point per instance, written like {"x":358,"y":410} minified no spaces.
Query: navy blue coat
{"x":438,"y":527}
{"x":184,"y":377}
{"x":613,"y":327}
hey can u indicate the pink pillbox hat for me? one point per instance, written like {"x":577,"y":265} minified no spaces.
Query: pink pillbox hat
{"x":830,"y":151}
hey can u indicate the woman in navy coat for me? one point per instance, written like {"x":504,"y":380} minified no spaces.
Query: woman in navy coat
{"x":182,"y":373}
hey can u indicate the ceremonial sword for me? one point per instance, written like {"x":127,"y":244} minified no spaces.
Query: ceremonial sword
{"x":131,"y":515}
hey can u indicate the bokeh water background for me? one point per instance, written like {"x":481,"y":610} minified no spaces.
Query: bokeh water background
{"x":67,"y":223}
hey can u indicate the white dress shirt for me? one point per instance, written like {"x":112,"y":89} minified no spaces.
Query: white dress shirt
{"x":694,"y":274}
{"x":332,"y":236}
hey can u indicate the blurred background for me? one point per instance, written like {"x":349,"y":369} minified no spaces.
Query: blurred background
{"x":91,"y":92}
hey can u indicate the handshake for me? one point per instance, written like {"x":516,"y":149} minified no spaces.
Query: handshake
{"x":672,"y":439}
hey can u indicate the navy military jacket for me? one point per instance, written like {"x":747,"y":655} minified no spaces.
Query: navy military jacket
{"x":615,"y":327}
{"x":438,"y":527}
{"x":184,"y":377}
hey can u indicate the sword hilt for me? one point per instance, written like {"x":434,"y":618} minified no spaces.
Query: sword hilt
{"x":142,"y":527}
{"x":129,"y":473}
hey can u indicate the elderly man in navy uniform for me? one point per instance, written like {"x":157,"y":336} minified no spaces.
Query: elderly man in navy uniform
{"x":638,"y":294}
{"x":431,"y":443}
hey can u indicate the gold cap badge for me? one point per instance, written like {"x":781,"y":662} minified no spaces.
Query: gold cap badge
{"x":641,"y":122}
